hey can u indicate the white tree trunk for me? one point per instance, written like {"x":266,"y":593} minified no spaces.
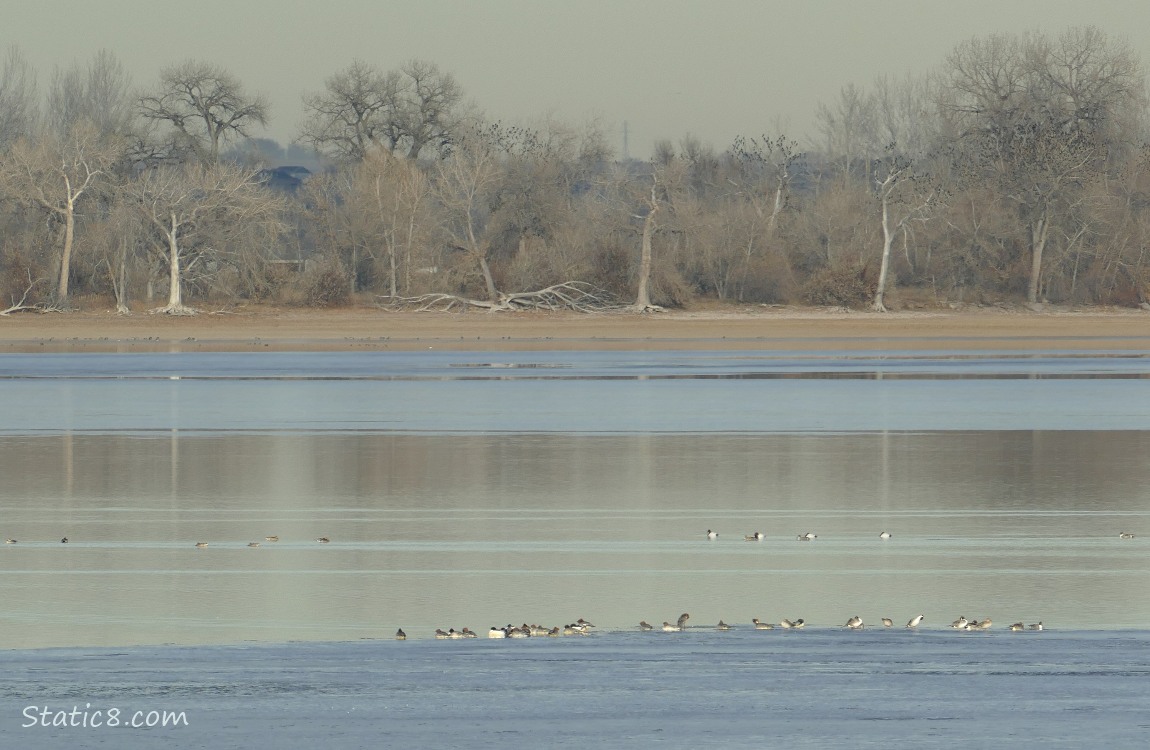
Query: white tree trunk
{"x":120,"y":279}
{"x":643,"y":295}
{"x":887,"y":239}
{"x":175,"y":304}
{"x":175,"y":293}
{"x":66,"y":255}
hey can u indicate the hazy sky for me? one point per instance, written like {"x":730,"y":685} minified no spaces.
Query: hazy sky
{"x":714,"y":68}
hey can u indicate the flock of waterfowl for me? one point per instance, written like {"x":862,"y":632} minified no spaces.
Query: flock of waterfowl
{"x":579,"y":627}
{"x":321,"y":540}
{"x":583,"y":627}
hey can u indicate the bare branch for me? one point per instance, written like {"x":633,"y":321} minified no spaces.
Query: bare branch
{"x":21,"y":306}
{"x":575,"y":296}
{"x":205,"y":104}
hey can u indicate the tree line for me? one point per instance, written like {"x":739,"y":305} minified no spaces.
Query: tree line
{"x":1017,"y":169}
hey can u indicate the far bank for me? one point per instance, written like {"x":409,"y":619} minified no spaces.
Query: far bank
{"x":765,"y":328}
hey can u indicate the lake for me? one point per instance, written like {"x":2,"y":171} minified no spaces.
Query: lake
{"x":478,"y":489}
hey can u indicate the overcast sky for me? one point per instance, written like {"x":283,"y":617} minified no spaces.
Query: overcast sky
{"x":713,"y":68}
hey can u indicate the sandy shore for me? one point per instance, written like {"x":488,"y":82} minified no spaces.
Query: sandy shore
{"x":753,"y":328}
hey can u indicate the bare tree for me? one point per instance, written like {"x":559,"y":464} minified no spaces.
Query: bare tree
{"x":498,"y":192}
{"x":904,"y":113}
{"x":1038,"y":118}
{"x":189,"y":207}
{"x":100,"y":94}
{"x":205,"y":105}
{"x":643,"y":293}
{"x":762,"y":170}
{"x":54,"y":173}
{"x":403,"y":208}
{"x":848,"y":133}
{"x":661,"y":197}
{"x":549,"y":172}
{"x":121,"y":247}
{"x":407,"y":110}
{"x":465,"y":184}
{"x":387,"y":200}
{"x":430,"y":114}
{"x":351,"y":117}
{"x":904,"y":196}
{"x":766,"y":169}
{"x":19,"y":106}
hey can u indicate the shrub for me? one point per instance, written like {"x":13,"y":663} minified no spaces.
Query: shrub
{"x":327,"y":286}
{"x":846,"y":286}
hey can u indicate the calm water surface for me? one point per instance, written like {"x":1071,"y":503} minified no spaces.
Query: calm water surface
{"x":467,"y":489}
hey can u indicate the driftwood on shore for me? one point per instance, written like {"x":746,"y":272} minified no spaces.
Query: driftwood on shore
{"x":576,"y":296}
{"x":23,"y":306}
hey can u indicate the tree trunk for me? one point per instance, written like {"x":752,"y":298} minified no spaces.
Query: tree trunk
{"x":394,"y":271}
{"x":120,"y":280}
{"x":407,"y":251}
{"x":175,"y":304}
{"x":884,"y":268}
{"x":643,"y":296}
{"x":66,"y":255}
{"x":776,"y":209}
{"x":175,"y":292}
{"x":1038,"y":233}
{"x":353,"y":274}
{"x":492,"y":294}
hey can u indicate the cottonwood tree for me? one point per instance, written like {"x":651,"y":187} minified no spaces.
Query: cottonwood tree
{"x":552,"y":175}
{"x":391,"y":197}
{"x":404,"y":209}
{"x":465,"y":183}
{"x":405,"y":111}
{"x":204,"y":105}
{"x":1038,"y":118}
{"x":350,"y":118}
{"x":1117,"y":263}
{"x":194,"y":212}
{"x":330,"y":218}
{"x":660,"y":196}
{"x":100,"y":94}
{"x":429,"y":113}
{"x":903,"y":112}
{"x":531,"y":202}
{"x":479,"y":207}
{"x":54,"y":173}
{"x":766,"y":168}
{"x":118,"y":247}
{"x":904,"y":196}
{"x":762,"y":171}
{"x":643,"y":289}
{"x":19,"y":102}
{"x":847,"y":130}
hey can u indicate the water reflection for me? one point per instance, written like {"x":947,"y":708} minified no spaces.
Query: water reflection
{"x":451,"y":530}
